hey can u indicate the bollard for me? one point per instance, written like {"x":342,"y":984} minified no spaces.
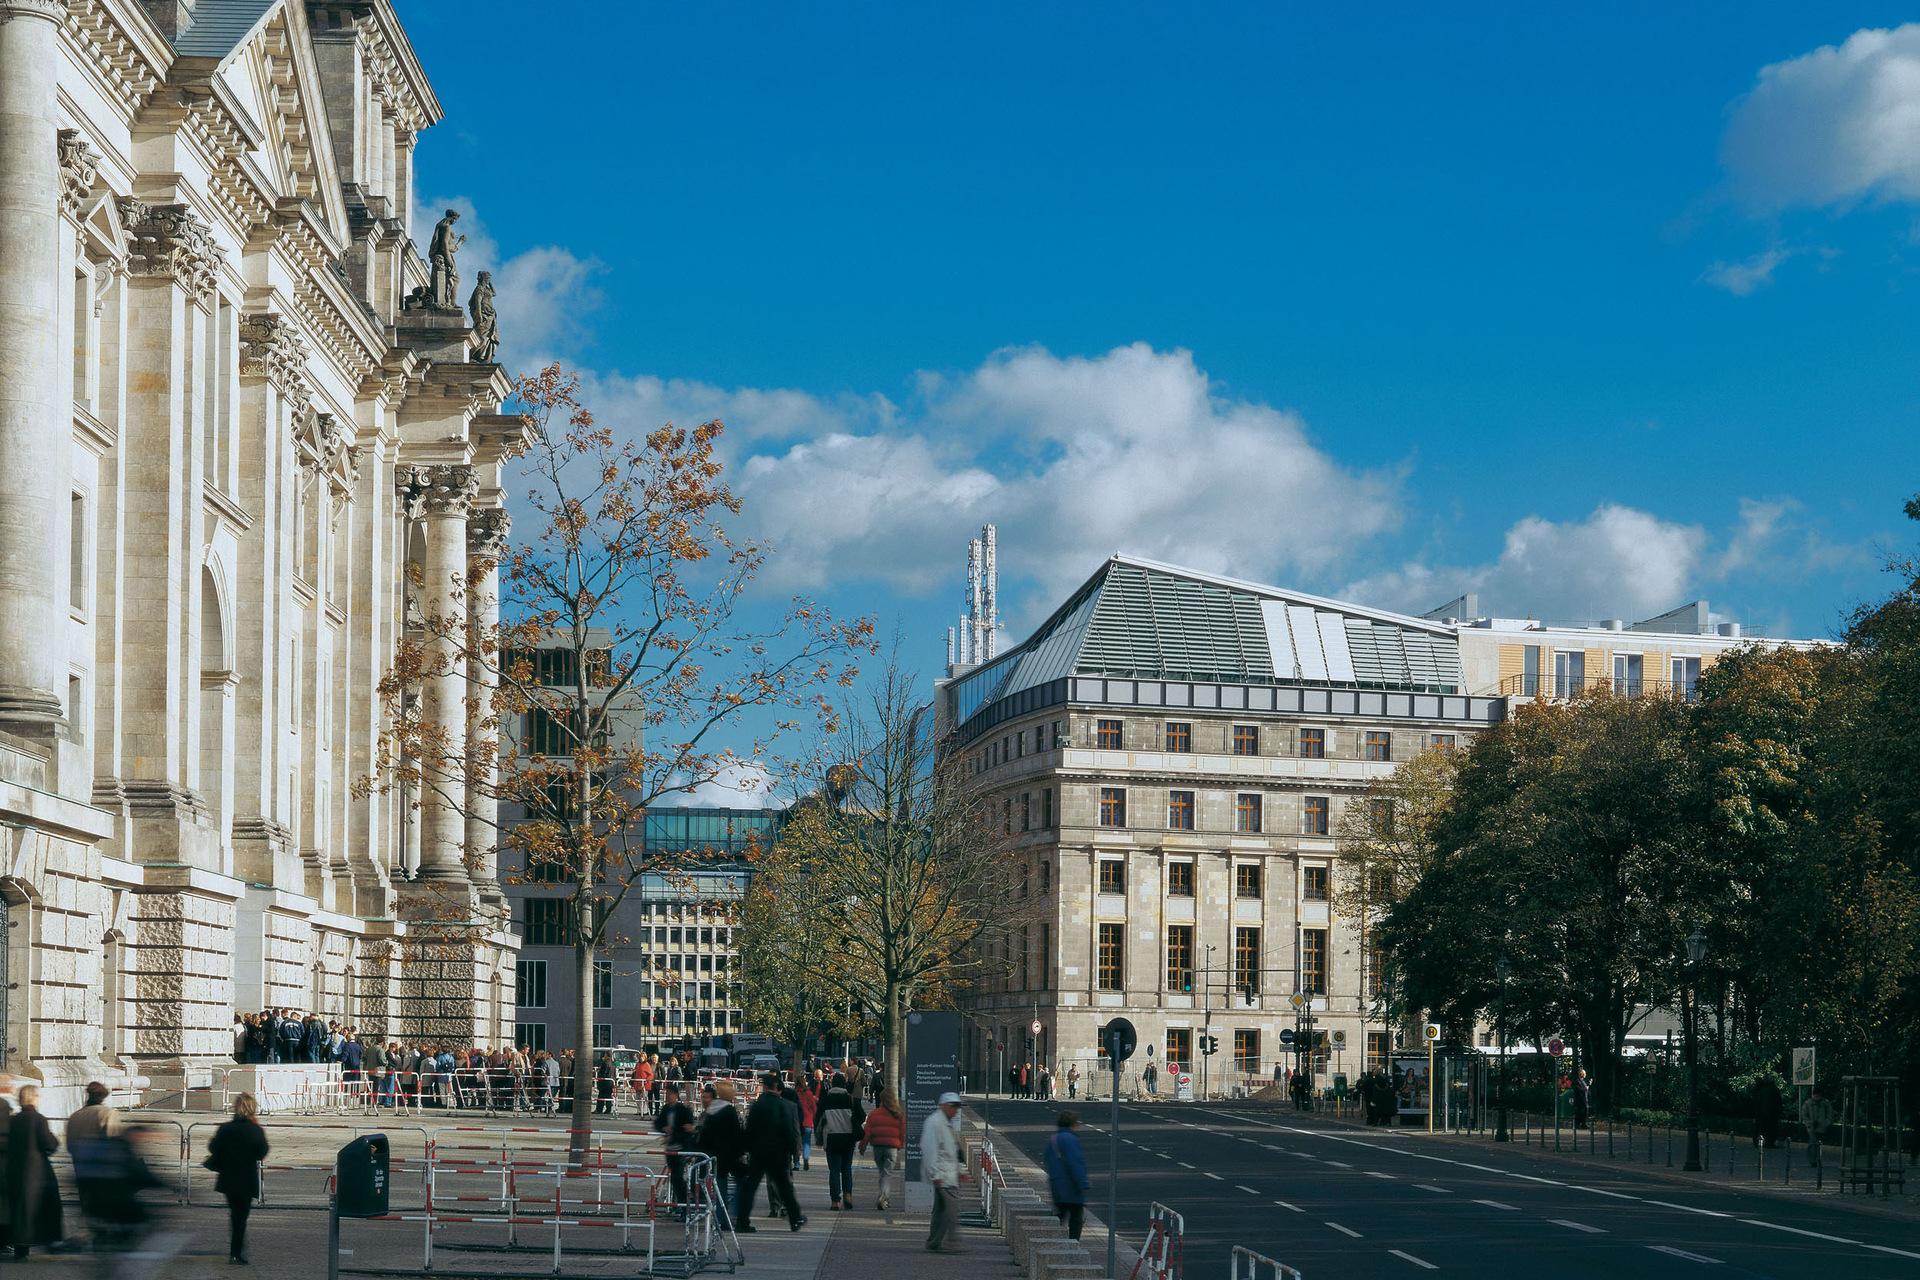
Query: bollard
{"x":1669,"y":1144}
{"x":1786,"y":1173}
{"x":1609,"y":1137}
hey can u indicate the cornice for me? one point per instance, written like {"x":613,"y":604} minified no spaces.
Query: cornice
{"x":117,"y":43}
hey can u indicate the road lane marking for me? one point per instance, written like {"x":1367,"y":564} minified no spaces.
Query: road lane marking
{"x":1418,"y":1262}
{"x":1682,"y":1253}
{"x":1163,"y":1155}
{"x":1216,"y":1177}
{"x":1340,"y":1164}
{"x":1284,"y":1205}
{"x":1578,"y":1226}
{"x":1242,"y":1187}
{"x":1185,"y":1165}
{"x":1598,"y":1192}
{"x":1887,"y":1248}
{"x":1268,"y":1146}
{"x":1375,"y":1173}
{"x":1428,"y":1186}
{"x":1710,"y":1213}
{"x":1496,"y":1204}
{"x":1817,"y":1235}
{"x":1348,"y":1230}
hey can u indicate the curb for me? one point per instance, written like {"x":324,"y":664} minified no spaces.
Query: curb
{"x":1094,"y":1229}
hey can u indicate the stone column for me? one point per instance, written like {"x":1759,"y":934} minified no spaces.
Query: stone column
{"x":442,"y":496}
{"x":486,"y":546}
{"x":35,"y":403}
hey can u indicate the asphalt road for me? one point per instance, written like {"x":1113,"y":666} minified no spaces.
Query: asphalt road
{"x":1336,"y":1201}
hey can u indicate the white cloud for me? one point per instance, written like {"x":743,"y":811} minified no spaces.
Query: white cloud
{"x":1742,"y":278}
{"x":1073,"y":458}
{"x":541,"y":294}
{"x":745,"y":785}
{"x":1617,"y":563}
{"x":1774,"y":538}
{"x":1831,"y":126}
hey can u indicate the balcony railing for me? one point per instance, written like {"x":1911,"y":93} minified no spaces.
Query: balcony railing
{"x":1559,"y":687}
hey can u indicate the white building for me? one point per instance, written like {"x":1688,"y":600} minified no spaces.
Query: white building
{"x":232,"y":407}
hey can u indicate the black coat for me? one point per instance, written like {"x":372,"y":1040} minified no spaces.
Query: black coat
{"x":33,"y":1190}
{"x":772,"y":1136}
{"x":675,"y":1123}
{"x":235,"y":1153}
{"x":720,"y":1135}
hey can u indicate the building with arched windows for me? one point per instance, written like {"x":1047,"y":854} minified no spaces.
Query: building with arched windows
{"x":236,"y":404}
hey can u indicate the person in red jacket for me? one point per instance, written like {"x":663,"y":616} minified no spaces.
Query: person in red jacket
{"x":809,"y":1094}
{"x":886,"y":1133}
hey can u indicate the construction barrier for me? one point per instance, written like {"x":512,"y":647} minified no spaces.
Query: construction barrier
{"x":1248,"y":1265}
{"x":1163,"y":1256}
{"x":574,"y":1209}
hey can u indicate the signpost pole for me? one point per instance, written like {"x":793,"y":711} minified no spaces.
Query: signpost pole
{"x":1113,"y":1156}
{"x":333,"y":1238}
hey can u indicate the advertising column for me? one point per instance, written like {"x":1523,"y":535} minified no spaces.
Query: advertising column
{"x":931,"y":1069}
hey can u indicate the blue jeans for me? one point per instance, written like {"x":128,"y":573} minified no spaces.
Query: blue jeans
{"x":806,"y":1142}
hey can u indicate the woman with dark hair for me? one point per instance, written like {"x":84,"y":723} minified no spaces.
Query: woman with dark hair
{"x":235,"y":1153}
{"x":1067,"y":1174}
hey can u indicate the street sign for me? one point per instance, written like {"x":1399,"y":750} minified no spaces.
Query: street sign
{"x":1338,"y":1039}
{"x":1556,"y":1046}
{"x":1299,"y":1000}
{"x":1036,"y":1026}
{"x":1286,"y":1035}
{"x":1433,"y":1031}
{"x":1120,"y":1039}
{"x":1803,"y":1067}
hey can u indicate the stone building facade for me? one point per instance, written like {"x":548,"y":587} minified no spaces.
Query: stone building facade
{"x":235,"y":404}
{"x":1172,"y":755}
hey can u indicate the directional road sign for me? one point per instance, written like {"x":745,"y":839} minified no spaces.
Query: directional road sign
{"x":1120,"y":1039}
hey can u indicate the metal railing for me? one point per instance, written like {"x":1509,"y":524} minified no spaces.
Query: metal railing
{"x":1164,"y":1253}
{"x":1558,"y":687}
{"x":1248,"y":1265}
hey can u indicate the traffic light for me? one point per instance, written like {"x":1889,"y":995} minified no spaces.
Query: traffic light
{"x":1209,"y":1045}
{"x":1248,"y":993}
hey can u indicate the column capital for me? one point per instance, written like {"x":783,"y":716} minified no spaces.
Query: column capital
{"x":79,"y":168}
{"x":168,"y":241}
{"x":52,"y":10}
{"x":271,"y":348}
{"x":445,"y":489}
{"x":487,"y":531}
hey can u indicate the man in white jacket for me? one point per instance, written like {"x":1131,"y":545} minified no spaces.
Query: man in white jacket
{"x":940,"y":1166}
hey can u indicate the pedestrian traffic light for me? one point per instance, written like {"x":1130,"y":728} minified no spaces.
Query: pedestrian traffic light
{"x":1248,"y":993}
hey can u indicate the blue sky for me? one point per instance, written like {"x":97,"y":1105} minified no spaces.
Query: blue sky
{"x":1580,"y":310}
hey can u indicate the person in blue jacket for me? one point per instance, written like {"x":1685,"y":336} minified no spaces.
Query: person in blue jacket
{"x":1067,"y":1173}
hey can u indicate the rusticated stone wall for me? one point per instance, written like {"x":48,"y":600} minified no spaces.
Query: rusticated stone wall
{"x":180,"y":975}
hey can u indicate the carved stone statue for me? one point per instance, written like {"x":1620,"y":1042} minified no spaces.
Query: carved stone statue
{"x":445,"y":280}
{"x":486,"y":322}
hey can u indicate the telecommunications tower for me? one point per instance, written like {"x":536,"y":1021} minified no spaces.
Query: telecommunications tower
{"x":976,"y":640}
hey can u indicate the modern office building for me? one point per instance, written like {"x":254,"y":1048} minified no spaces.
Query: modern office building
{"x":666,"y":980}
{"x":1172,"y":753}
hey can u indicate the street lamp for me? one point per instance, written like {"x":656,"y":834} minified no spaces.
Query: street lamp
{"x":1500,"y":1133}
{"x":1696,"y":952}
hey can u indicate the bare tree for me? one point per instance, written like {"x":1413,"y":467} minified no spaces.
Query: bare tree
{"x":913,"y":869}
{"x":624,"y":650}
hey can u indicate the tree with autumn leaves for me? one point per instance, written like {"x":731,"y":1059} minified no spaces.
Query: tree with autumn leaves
{"x":1778,"y":811}
{"x":624,"y":647}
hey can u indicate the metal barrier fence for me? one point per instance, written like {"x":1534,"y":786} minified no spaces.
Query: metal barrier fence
{"x":1164,"y":1253}
{"x":1248,"y":1265}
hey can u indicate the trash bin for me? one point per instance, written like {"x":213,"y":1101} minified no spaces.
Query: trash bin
{"x":360,"y":1177}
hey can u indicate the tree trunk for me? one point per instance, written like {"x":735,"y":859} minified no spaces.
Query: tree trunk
{"x":894,"y":1020}
{"x":582,"y":1124}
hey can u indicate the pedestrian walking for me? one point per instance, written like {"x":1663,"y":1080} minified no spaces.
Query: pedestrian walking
{"x":33,"y":1192}
{"x":674,"y":1122}
{"x":940,"y":1166}
{"x":886,"y":1132}
{"x":1767,"y":1108}
{"x":1073,"y":1080}
{"x":1067,"y":1178}
{"x":87,"y":1132}
{"x":235,"y":1153}
{"x":1582,"y":1099}
{"x":603,"y":1085}
{"x":772,"y":1139}
{"x":840,"y":1117}
{"x":6,"y":1181}
{"x":1816,"y":1117}
{"x":1153,"y":1079}
{"x":808,"y":1093}
{"x":720,"y":1136}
